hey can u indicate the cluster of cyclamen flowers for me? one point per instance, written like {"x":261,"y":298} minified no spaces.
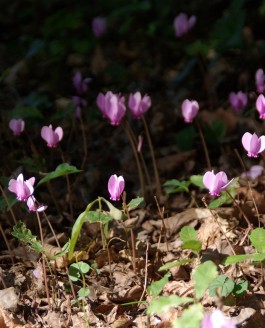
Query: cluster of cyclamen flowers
{"x":112,"y":106}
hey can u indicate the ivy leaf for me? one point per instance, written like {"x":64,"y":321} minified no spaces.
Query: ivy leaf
{"x":222,"y":285}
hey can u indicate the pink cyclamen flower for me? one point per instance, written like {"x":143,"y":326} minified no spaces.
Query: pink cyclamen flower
{"x":253,"y":144}
{"x":52,"y":137}
{"x":215,"y":182}
{"x":260,"y":105}
{"x":116,"y":186}
{"x":138,"y":104}
{"x":182,"y":24}
{"x":23,"y":189}
{"x":238,"y":100}
{"x":189,"y":110}
{"x":17,"y":126}
{"x":259,"y":79}
{"x":254,"y":172}
{"x":217,"y":320}
{"x":112,"y":106}
{"x":99,"y":26}
{"x":33,"y":206}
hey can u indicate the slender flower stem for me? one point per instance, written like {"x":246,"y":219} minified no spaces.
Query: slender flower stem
{"x":206,"y":153}
{"x":133,"y":146}
{"x":147,"y":175}
{"x":157,"y":179}
{"x":43,"y":261}
{"x":68,"y":188}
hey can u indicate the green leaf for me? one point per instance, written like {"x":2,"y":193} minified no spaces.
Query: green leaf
{"x":190,"y":318}
{"x":240,"y":287}
{"x":170,"y":265}
{"x":96,"y":216}
{"x":81,"y":266}
{"x":136,"y":202}
{"x":214,"y":132}
{"x":185,"y":138}
{"x":156,"y":287}
{"x":223,"y":284}
{"x":21,"y":232}
{"x":61,"y":170}
{"x":114,"y":212}
{"x":83,"y":292}
{"x":197,"y":181}
{"x":223,"y":199}
{"x":173,"y":186}
{"x":233,"y":259}
{"x":187,"y":233}
{"x":203,"y":275}
{"x":64,"y":250}
{"x":77,"y":228}
{"x":164,"y":303}
{"x":74,"y":273}
{"x":257,"y":238}
{"x":194,"y":245}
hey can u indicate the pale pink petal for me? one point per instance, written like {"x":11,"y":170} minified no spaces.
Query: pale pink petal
{"x":246,"y":139}
{"x":59,"y":132}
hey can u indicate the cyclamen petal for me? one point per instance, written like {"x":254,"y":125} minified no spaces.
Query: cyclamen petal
{"x":138,"y":105}
{"x":52,"y":137}
{"x":253,"y":144}
{"x":238,"y":100}
{"x":217,"y":320}
{"x":259,"y":78}
{"x":189,"y":109}
{"x":17,"y":126}
{"x":116,"y":186}
{"x":182,"y":24}
{"x":99,"y":26}
{"x":23,"y":189}
{"x":260,"y":105}
{"x":215,"y":183}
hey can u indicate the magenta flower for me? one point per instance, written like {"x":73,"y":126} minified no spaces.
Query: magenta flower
{"x":238,"y":100}
{"x":99,"y":26}
{"x":116,"y":186}
{"x":215,"y":182}
{"x":254,"y":172}
{"x":260,"y":105}
{"x":217,"y":320}
{"x":253,"y":144}
{"x":23,"y":189}
{"x":33,"y":206}
{"x":112,"y":106}
{"x":259,"y":79}
{"x":182,"y":24}
{"x":138,"y":104}
{"x":189,"y":110}
{"x":52,"y":137}
{"x":17,"y":126}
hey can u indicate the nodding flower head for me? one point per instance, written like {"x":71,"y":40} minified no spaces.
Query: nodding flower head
{"x":215,"y":183}
{"x":99,"y":26}
{"x":23,"y":189}
{"x":116,"y":186}
{"x":182,"y":24}
{"x":17,"y":126}
{"x":112,"y":106}
{"x":189,"y":110}
{"x":260,"y":105}
{"x":259,"y":79}
{"x":238,"y":100}
{"x":138,"y":105}
{"x":253,"y":144}
{"x":52,"y":137}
